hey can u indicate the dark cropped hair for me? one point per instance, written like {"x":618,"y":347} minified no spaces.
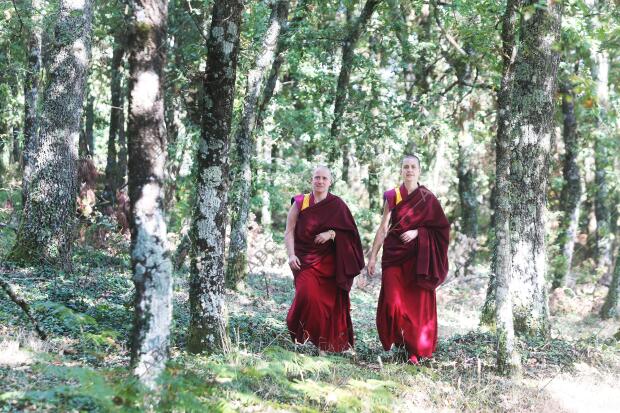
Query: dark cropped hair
{"x":410,"y":156}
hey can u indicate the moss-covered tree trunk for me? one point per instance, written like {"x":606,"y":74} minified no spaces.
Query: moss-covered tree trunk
{"x":529,"y":131}
{"x":46,"y":229}
{"x":571,"y":191}
{"x":146,"y":132}
{"x":524,"y":138}
{"x":113,"y":181}
{"x":208,"y":324}
{"x":499,"y":293}
{"x":342,"y":86}
{"x":245,"y":147}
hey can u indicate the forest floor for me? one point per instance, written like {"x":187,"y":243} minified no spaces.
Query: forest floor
{"x":83,"y":366}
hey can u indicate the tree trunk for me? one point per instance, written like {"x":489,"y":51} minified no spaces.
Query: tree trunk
{"x":89,"y":124}
{"x":526,"y":128}
{"x":342,"y":88}
{"x":264,"y":177}
{"x":468,"y":194}
{"x":611,"y":306}
{"x":372,"y":186}
{"x":245,"y":148}
{"x":208,"y":324}
{"x":508,"y":361}
{"x":146,"y":131}
{"x":283,"y":43}
{"x":571,"y":191}
{"x":46,"y":229}
{"x":2,"y":146}
{"x":15,"y":152}
{"x":270,"y":84}
{"x":415,"y":69}
{"x":524,"y":138}
{"x":121,"y":161}
{"x":112,"y":175}
{"x":31,"y":95}
{"x":600,"y":73}
{"x":82,"y":143}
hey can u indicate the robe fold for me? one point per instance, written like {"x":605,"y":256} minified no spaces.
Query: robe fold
{"x":320,"y":311}
{"x":407,"y":312}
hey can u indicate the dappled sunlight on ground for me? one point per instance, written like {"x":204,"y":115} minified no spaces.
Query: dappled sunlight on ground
{"x":11,"y":355}
{"x":585,"y":390}
{"x":86,"y":361}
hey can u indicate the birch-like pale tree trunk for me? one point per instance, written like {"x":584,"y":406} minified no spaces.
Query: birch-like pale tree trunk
{"x":146,"y":132}
{"x":342,"y":87}
{"x":245,"y":147}
{"x":265,"y":148}
{"x":46,"y":229}
{"x":529,"y":129}
{"x":571,"y":190}
{"x":524,"y":139}
{"x":208,"y":323}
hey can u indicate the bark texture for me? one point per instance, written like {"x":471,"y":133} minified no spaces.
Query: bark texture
{"x":147,"y":155}
{"x":208,"y":324}
{"x":524,"y":138}
{"x":499,"y":292}
{"x":528,"y":130}
{"x":245,"y":147}
{"x":571,"y":190}
{"x":46,"y":229}
{"x":31,"y":95}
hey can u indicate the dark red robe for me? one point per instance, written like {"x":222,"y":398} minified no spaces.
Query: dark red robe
{"x":320,"y":311}
{"x":407,"y":312}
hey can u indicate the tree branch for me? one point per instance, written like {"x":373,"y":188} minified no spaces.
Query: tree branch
{"x":23,"y":305}
{"x":447,"y":35}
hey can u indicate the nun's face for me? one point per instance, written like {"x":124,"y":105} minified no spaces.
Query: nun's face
{"x":410,"y":170}
{"x":321,"y":180}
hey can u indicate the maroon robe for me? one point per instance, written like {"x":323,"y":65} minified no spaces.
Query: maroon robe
{"x":407,"y":312}
{"x":321,"y":309}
